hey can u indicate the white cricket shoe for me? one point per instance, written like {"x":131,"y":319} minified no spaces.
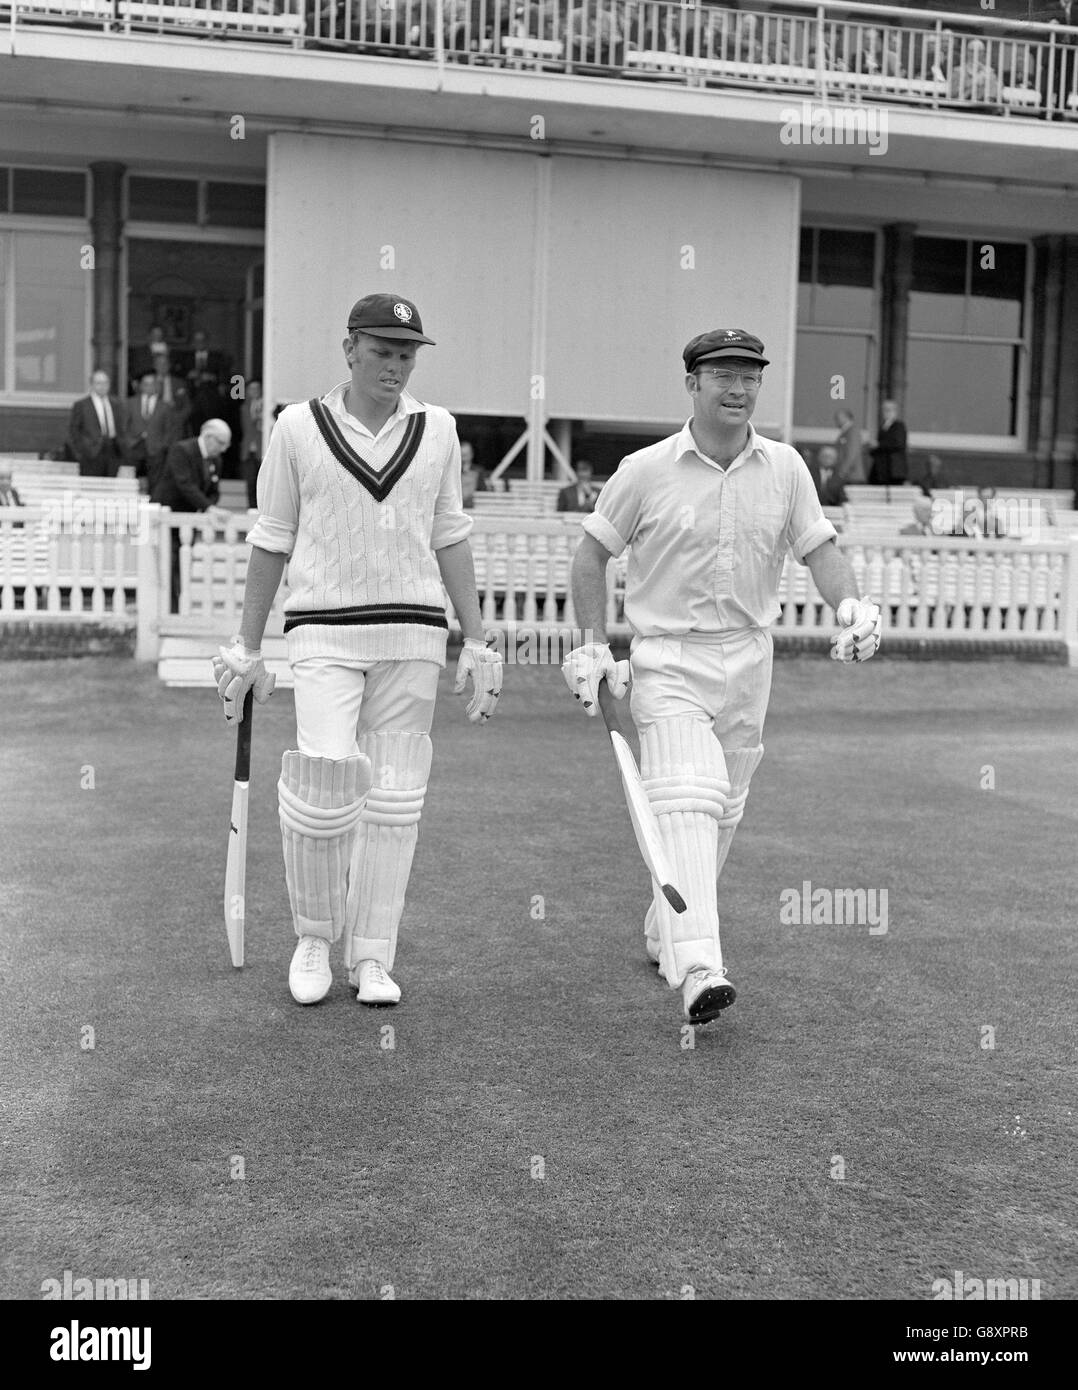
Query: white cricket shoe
{"x":375,"y":986}
{"x":705,"y":993}
{"x":309,"y":975}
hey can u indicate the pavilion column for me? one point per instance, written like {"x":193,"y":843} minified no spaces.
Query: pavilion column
{"x":106,"y":229}
{"x":1044,"y":354}
{"x":897,"y":283}
{"x":1065,"y":435}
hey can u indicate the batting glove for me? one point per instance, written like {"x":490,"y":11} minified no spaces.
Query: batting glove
{"x":484,"y":665}
{"x":586,"y":666}
{"x":236,"y":670}
{"x":862,"y":622}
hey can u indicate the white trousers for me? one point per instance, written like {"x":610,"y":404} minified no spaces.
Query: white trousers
{"x":727,"y":680}
{"x":336,"y":704}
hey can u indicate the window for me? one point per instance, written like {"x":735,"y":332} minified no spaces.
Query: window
{"x":43,"y":300}
{"x":967,"y":336}
{"x":162,"y":200}
{"x":836,"y":316}
{"x":48,"y":193}
{"x":235,"y":205}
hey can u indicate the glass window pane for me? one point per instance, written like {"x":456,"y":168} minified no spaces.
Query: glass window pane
{"x":938,"y":293}
{"x":808,"y":242}
{"x":52,"y":192}
{"x":50,"y":312}
{"x":846,"y":258}
{"x":162,"y":200}
{"x":5,"y":177}
{"x":998,"y":289}
{"x":962,"y":388}
{"x":843,"y":306}
{"x":821,"y":357}
{"x":5,"y":290}
{"x":235,"y":204}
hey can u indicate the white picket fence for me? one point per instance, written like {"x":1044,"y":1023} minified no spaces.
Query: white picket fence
{"x":74,"y":568}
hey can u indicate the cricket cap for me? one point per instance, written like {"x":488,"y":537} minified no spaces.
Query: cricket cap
{"x":387,"y":316}
{"x":724,"y":342}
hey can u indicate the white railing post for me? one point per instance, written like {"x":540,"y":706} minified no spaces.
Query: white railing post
{"x":1068,"y":604}
{"x":152,"y":536}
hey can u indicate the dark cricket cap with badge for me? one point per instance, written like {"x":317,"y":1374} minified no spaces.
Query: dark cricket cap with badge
{"x":387,"y":316}
{"x":724,"y":342}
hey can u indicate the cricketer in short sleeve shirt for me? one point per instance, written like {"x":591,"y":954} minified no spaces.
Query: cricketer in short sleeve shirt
{"x":707,"y":544}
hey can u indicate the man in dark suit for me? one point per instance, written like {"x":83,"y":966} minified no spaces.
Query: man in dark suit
{"x":153,"y":426}
{"x":141,"y":359}
{"x":202,"y":360}
{"x":830,"y":488}
{"x":96,"y":430}
{"x":188,"y":483}
{"x":889,"y":454}
{"x":581,"y":495}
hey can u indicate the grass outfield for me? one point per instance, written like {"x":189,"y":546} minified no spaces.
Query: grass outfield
{"x":540,"y":1130}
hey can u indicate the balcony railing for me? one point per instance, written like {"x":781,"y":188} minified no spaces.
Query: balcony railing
{"x":874,"y":53}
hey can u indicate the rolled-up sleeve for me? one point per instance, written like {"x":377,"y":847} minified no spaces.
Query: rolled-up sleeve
{"x":278,"y":495}
{"x":451,"y":522}
{"x":807,"y":527}
{"x":616,"y":516}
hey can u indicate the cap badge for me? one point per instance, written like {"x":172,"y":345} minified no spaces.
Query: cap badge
{"x":402,"y":312}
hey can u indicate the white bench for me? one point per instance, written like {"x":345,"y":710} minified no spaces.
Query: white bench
{"x":534,"y":51}
{"x":196,"y":17}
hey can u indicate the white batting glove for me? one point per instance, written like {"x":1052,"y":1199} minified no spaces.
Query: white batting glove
{"x":586,"y":666}
{"x":236,"y":670}
{"x":484,"y":665}
{"x":862,"y":623}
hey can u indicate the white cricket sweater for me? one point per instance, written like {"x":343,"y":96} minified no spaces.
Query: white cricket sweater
{"x":360,"y":518}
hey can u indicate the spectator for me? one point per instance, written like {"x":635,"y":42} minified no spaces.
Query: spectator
{"x":973,"y":81}
{"x":827,"y":479}
{"x":170,"y":385}
{"x":932,"y":476}
{"x":922,"y":520}
{"x":8,"y":496}
{"x":202,"y":360}
{"x":251,"y":439}
{"x":152,"y":428}
{"x":96,"y":429}
{"x":851,"y":464}
{"x":937,"y":56}
{"x":141,"y":359}
{"x":983,"y":520}
{"x":471,"y":477}
{"x":889,"y":454}
{"x":188,"y":483}
{"x":873,"y":57}
{"x":581,"y":495}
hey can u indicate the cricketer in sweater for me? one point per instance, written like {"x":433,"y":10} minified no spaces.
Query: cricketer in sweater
{"x":360,"y":494}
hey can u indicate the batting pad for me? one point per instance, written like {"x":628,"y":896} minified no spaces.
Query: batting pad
{"x":740,"y":764}
{"x":385,"y":844}
{"x":320,"y":801}
{"x":684,"y":773}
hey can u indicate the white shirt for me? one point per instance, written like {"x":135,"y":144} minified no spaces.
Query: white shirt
{"x":104,"y":415}
{"x":707,"y":544}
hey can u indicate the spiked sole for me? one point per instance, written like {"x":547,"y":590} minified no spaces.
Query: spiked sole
{"x":711,"y":1002}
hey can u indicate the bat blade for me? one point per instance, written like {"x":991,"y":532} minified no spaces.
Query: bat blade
{"x":645,"y":826}
{"x":236,"y":864}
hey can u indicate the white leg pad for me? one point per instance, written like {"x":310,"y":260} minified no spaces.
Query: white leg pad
{"x":320,"y":802}
{"x":385,"y":844}
{"x":740,"y":764}
{"x":684,"y":774}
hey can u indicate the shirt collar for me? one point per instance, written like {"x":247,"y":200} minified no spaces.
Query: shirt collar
{"x":334,"y":402}
{"x":686,"y":444}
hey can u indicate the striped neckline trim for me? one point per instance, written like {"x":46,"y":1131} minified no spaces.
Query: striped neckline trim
{"x":378,"y":482}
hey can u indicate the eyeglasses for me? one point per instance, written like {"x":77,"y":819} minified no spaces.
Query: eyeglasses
{"x":723,"y":378}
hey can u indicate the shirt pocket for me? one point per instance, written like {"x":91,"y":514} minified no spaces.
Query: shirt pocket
{"x":768,"y":523}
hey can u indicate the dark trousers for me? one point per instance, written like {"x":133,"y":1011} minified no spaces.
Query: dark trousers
{"x":107,"y":462}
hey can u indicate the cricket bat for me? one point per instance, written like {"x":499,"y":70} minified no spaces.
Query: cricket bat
{"x":236,"y":867}
{"x":645,"y":826}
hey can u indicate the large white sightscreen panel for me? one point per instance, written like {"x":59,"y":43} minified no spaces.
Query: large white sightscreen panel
{"x":621,"y":306}
{"x":460,"y":225}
